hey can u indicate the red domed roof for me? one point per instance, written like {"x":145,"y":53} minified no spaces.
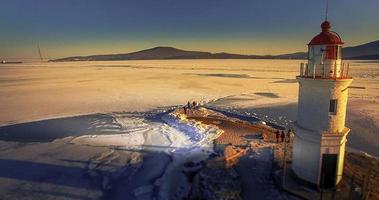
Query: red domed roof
{"x":326,"y":36}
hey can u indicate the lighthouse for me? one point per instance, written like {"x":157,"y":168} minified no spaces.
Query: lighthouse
{"x":320,"y":132}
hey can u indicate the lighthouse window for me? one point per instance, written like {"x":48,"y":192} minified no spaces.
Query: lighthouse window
{"x":310,"y":53}
{"x":331,"y":52}
{"x":339,"y":52}
{"x":333,"y":106}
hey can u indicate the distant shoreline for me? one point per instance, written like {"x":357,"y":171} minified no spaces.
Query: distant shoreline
{"x":369,"y":51}
{"x":187,"y":59}
{"x":366,"y":60}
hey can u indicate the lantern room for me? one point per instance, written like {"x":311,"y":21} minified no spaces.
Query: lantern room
{"x":324,"y":55}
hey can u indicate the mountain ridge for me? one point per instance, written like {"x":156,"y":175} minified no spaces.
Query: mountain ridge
{"x":364,"y":51}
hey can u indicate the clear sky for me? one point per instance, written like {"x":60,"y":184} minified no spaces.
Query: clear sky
{"x":84,"y":27}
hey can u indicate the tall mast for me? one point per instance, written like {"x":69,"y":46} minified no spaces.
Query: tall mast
{"x":39,"y":53}
{"x":326,"y":10}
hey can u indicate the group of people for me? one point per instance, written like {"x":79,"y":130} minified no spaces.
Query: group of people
{"x":190,"y":106}
{"x":282,"y":136}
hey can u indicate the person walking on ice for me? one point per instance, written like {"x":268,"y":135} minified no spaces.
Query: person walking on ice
{"x":277,"y":136}
{"x":282,"y":136}
{"x":185,"y":109}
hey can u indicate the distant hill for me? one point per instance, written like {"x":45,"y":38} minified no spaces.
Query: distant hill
{"x":148,"y":54}
{"x":297,"y":55}
{"x":366,"y":57}
{"x":159,"y":53}
{"x":364,"y":50}
{"x":369,"y":51}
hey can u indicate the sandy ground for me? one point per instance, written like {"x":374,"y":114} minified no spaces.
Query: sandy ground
{"x":259,"y":144}
{"x":264,"y":153}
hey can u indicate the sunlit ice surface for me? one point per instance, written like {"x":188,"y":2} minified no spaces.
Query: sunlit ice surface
{"x":268,"y":88}
{"x":83,"y":116}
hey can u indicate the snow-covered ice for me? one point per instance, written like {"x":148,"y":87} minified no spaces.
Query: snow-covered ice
{"x":160,"y":132}
{"x":104,"y":129}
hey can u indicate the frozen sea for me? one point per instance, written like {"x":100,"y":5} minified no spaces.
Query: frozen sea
{"x":36,"y":91}
{"x":107,"y":126}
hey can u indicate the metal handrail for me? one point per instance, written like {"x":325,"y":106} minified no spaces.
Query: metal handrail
{"x":344,"y":71}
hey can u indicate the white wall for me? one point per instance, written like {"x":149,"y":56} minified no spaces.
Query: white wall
{"x":306,"y":155}
{"x":317,"y":131}
{"x":314,"y":100}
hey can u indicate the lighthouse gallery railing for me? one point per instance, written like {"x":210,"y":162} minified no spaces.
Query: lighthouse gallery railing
{"x":336,"y":71}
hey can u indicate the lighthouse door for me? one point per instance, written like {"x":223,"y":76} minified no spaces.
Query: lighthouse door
{"x":328,"y":171}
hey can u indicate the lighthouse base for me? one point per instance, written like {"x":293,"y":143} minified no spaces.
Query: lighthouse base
{"x":318,"y":156}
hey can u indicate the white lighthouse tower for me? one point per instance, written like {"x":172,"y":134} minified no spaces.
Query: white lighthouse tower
{"x":320,"y":132}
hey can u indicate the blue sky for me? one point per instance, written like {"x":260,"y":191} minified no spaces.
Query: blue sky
{"x":83,"y":27}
